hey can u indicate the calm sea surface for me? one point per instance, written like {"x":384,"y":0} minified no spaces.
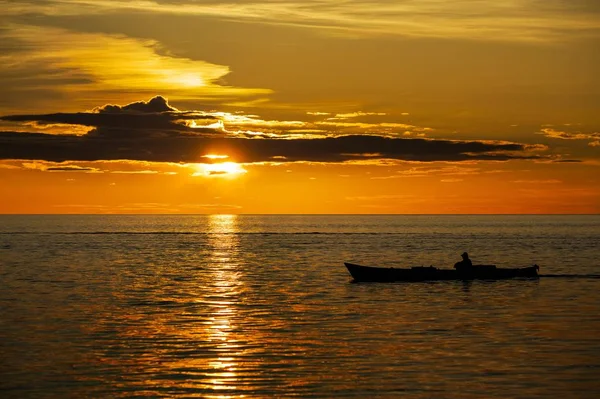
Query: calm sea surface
{"x":262,"y":306}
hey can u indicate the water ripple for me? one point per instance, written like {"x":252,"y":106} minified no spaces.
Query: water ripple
{"x":229,"y":315}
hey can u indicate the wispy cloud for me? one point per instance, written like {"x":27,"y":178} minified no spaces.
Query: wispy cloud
{"x":103,"y":166}
{"x":538,"y":181}
{"x":380,"y":197}
{"x":451,"y":180}
{"x":423,"y":171}
{"x":148,"y":207}
{"x":59,"y":167}
{"x":517,"y":20}
{"x":65,"y":62}
{"x":574,"y":135}
{"x":356,"y":114}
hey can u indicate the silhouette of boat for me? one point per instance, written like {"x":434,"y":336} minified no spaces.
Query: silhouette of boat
{"x":420,"y":273}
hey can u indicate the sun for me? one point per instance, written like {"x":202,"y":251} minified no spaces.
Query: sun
{"x":222,"y":169}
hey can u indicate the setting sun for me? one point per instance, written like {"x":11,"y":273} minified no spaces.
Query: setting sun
{"x":228,"y":169}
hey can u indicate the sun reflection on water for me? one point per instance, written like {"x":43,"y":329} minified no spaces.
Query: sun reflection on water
{"x":225,"y":286}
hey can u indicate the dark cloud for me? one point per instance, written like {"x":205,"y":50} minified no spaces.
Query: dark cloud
{"x":154,"y":105}
{"x":59,"y":148}
{"x":153,"y":115}
{"x":567,"y":161}
{"x":152,"y":131}
{"x":70,"y":169}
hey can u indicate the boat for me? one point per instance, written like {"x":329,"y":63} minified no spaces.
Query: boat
{"x":430,"y":273}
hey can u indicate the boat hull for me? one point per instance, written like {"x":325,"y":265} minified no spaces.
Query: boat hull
{"x":484,"y":272}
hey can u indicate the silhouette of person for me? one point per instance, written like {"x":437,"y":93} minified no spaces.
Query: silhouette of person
{"x":465,"y":263}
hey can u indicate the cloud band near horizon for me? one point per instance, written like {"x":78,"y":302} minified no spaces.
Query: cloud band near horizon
{"x":153,"y":131}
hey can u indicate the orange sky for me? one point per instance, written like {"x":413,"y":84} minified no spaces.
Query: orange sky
{"x":185,"y":106}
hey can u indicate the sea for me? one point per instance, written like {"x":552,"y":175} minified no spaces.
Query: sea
{"x":261,"y":306}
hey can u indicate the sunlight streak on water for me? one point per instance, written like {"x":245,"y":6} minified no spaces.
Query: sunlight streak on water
{"x":224,"y":275}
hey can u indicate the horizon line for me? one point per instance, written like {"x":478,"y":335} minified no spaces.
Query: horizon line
{"x":299,"y":214}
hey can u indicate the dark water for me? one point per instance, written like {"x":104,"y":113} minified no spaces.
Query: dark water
{"x":261,"y":306}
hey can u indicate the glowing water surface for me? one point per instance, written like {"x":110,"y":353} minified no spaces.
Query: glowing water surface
{"x":228,"y":306}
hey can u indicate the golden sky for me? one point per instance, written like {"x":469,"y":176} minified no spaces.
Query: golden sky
{"x":324,"y":106}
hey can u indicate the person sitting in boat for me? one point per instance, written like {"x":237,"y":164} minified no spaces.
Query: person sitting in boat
{"x":465,"y":263}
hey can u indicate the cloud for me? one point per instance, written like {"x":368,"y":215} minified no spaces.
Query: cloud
{"x":136,"y":172}
{"x":245,"y":150}
{"x":156,"y":132}
{"x":546,"y":181}
{"x":451,"y":180}
{"x":146,"y":207}
{"x":564,"y":135}
{"x":158,"y":116}
{"x":524,"y":20}
{"x":592,"y":137}
{"x":153,"y":115}
{"x":356,"y":114}
{"x":58,"y":63}
{"x":71,"y":169}
{"x":154,"y":105}
{"x":105,"y":166}
{"x":422,"y":171}
{"x":567,"y":161}
{"x":380,"y":197}
{"x":57,"y":167}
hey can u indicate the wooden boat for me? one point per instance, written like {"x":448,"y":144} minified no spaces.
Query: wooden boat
{"x":420,"y":273}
